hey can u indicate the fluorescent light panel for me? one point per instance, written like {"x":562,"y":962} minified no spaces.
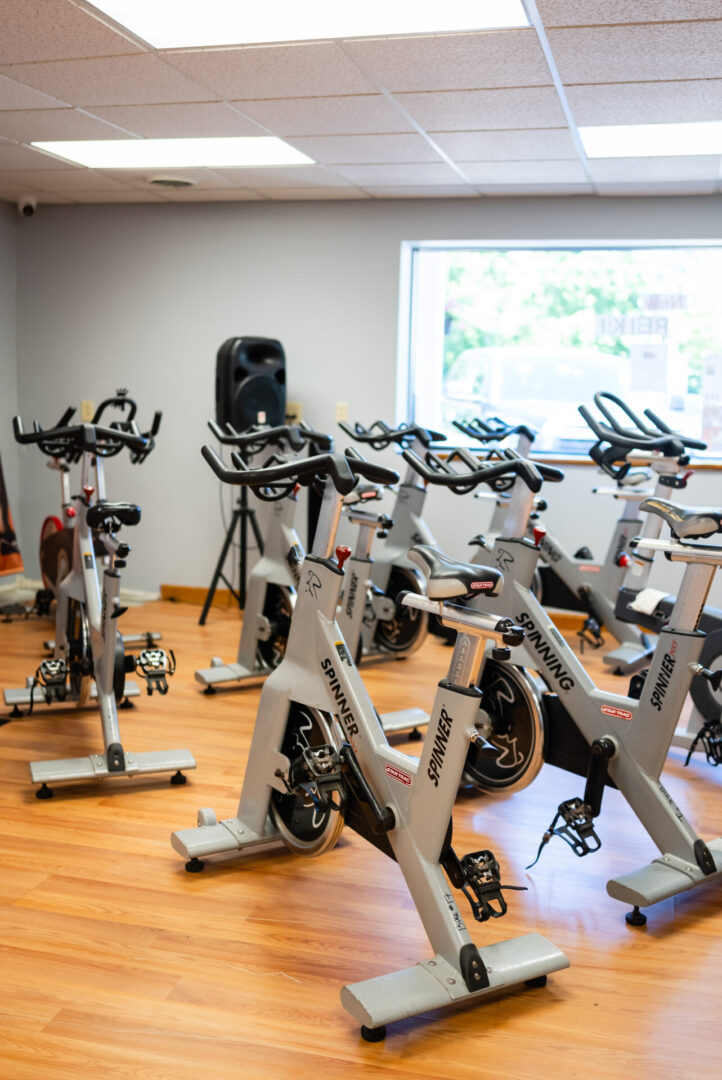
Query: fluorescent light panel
{"x":653,"y":140}
{"x":173,"y":24}
{"x":258,"y":150}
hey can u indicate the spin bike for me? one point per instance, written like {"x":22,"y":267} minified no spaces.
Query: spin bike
{"x":319,"y":758}
{"x":563,"y":718}
{"x":369,"y":617}
{"x":652,"y":608}
{"x":89,"y":662}
{"x":576,"y":582}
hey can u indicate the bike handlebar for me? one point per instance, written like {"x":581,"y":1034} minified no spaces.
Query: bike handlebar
{"x":342,"y":469}
{"x":77,"y":438}
{"x":482,"y":431}
{"x":670,"y":445}
{"x":258,"y":437}
{"x":507,"y":463}
{"x":404,"y":435}
{"x":660,"y":428}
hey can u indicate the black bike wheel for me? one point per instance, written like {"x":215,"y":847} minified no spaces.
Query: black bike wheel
{"x":510,"y":717}
{"x":407,"y":629}
{"x":305,"y":828}
{"x":278,"y":609}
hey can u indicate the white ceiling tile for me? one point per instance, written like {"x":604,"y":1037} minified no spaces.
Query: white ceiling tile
{"x":55,"y":30}
{"x":113,"y":80}
{"x":273,"y":71}
{"x":15,"y":95}
{"x":638,"y":53}
{"x":69,"y":180}
{"x":536,"y":190}
{"x":364,"y":114}
{"x":306,"y":194}
{"x":178,"y":121}
{"x":32,"y":125}
{"x":483,"y":110}
{"x":407,"y":174}
{"x":654,"y":169}
{"x":201,"y":194}
{"x":546,"y":144}
{"x":13,"y":156}
{"x":139,"y":178}
{"x":298,"y":176}
{"x":650,"y":190}
{"x":437,"y":191}
{"x":453,"y":61}
{"x":592,"y":12}
{"x":357,"y":149}
{"x":124,"y":195}
{"x":647,"y":103}
{"x":525,"y":172}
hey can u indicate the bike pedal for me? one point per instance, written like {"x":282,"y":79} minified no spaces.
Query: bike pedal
{"x":576,"y":830}
{"x":710,"y":736}
{"x":156,"y":667}
{"x":481,"y":885}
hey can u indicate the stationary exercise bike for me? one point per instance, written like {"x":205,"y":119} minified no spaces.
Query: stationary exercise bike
{"x":563,"y":718}
{"x":56,"y":533}
{"x":372,"y":624}
{"x":575,"y":582}
{"x":319,"y":758}
{"x":636,"y":601}
{"x":89,"y":662}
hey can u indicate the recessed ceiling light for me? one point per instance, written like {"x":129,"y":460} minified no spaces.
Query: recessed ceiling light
{"x":653,"y":140}
{"x":173,"y":24}
{"x":243,"y":152}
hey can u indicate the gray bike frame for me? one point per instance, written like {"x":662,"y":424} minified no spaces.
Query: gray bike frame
{"x":82,"y":585}
{"x":641,"y":730}
{"x":318,"y":672}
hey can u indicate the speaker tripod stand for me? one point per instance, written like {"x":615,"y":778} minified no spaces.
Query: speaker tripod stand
{"x":242,"y":516}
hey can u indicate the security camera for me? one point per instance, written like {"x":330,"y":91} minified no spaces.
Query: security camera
{"x":27,"y":206}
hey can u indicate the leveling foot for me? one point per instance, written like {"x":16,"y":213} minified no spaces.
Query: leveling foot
{"x":194,"y":866}
{"x":44,"y":792}
{"x":377,"y":1034}
{"x":178,"y":778}
{"x":635,"y":917}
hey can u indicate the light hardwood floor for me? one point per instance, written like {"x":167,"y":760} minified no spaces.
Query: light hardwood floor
{"x":115,"y":963}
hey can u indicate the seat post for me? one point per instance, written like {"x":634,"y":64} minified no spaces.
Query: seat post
{"x":466,"y":659}
{"x":692,"y":596}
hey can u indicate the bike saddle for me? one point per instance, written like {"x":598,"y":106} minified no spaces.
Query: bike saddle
{"x":684,"y":522}
{"x":447,"y":579}
{"x":124,"y":513}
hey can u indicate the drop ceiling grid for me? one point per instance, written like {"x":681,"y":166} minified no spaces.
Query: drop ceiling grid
{"x":462,"y":114}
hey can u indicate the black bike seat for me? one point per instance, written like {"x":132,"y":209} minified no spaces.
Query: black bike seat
{"x":125,"y":513}
{"x":447,"y":579}
{"x":685,"y":522}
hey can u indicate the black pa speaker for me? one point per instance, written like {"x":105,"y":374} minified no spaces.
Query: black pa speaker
{"x":250,"y":382}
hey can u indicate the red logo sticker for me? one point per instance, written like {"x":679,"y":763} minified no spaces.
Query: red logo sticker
{"x":397,"y":774}
{"x":623,"y":714}
{"x":482,"y":585}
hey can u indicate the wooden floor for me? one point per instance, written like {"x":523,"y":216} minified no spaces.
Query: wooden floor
{"x":115,"y":963}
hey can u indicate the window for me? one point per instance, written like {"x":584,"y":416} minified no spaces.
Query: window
{"x":529,"y":333}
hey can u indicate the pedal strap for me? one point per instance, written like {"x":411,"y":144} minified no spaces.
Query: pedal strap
{"x":576,"y":830}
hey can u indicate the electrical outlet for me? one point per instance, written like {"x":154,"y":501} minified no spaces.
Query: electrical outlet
{"x":341,"y":410}
{"x":87,"y":411}
{"x":294,"y":412}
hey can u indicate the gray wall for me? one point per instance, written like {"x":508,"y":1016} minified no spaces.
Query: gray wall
{"x":141,"y":296}
{"x":8,"y":351}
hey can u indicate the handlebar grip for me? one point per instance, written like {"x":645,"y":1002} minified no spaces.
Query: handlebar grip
{"x":549,"y":472}
{"x":336,"y":466}
{"x":155,"y":426}
{"x":626,"y":409}
{"x":376,"y":474}
{"x":693,"y":444}
{"x":260,"y":438}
